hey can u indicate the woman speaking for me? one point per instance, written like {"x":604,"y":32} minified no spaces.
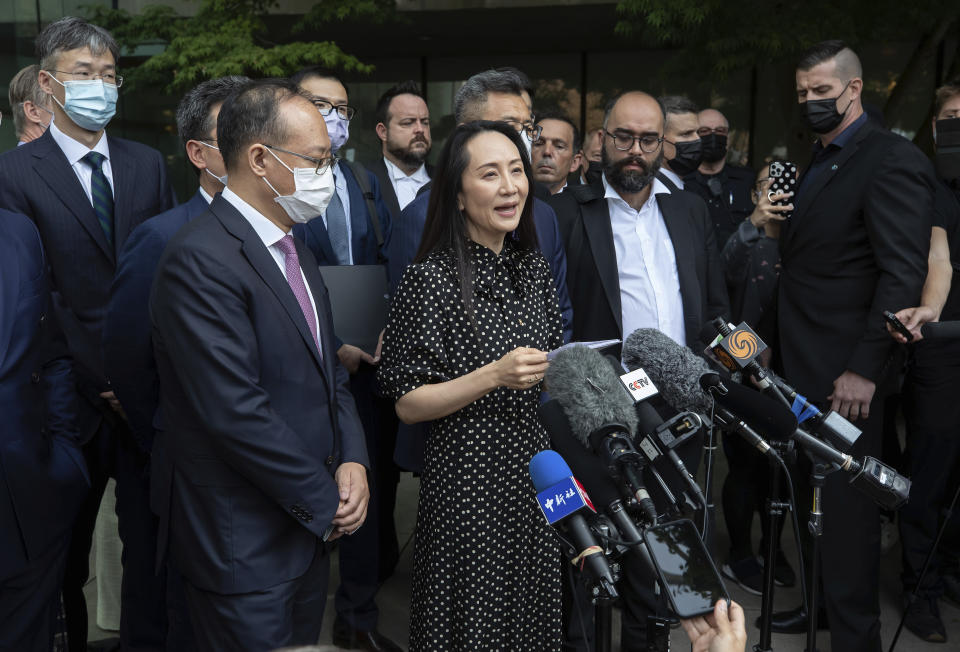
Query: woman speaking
{"x":465,"y":347}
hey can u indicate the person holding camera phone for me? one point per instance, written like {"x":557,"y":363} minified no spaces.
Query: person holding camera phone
{"x":722,"y":631}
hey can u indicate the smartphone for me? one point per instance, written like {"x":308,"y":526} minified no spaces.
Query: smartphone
{"x":897,"y":325}
{"x":783,"y":179}
{"x":684,"y":568}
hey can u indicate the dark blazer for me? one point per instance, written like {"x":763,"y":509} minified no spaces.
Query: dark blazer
{"x":43,"y":477}
{"x":37,"y":180}
{"x":594,"y":280}
{"x":127,"y":349}
{"x":256,"y":420}
{"x":856,"y":245}
{"x":363,"y":238}
{"x":379,"y":169}
{"x":408,"y":230}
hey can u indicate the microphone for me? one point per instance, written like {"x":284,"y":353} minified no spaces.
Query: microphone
{"x":563,"y":501}
{"x":600,"y":413}
{"x":940,"y":330}
{"x":674,"y":369}
{"x":838,"y":431}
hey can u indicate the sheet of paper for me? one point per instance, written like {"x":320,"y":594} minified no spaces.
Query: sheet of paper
{"x":599,"y":344}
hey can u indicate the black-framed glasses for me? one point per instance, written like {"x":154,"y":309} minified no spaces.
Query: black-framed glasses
{"x":706,"y":131}
{"x":528,"y":129}
{"x":84,"y":75}
{"x":624,"y":141}
{"x":344,"y":112}
{"x":323,"y":164}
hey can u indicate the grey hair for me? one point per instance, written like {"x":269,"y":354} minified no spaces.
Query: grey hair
{"x":72,"y":33}
{"x":472,"y":97}
{"x":193,"y":113}
{"x":24,"y":87}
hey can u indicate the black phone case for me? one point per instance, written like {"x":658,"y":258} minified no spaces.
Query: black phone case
{"x":783,"y":179}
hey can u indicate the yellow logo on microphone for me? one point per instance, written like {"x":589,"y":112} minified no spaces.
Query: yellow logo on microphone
{"x":737,"y":349}
{"x":743,"y":345}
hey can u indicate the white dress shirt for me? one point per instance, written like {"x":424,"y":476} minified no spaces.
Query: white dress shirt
{"x":75,"y":151}
{"x":406,"y":186}
{"x":647,"y":267}
{"x":205,"y":195}
{"x":660,"y":187}
{"x":270,"y":234}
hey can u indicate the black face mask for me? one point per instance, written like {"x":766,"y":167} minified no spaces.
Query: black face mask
{"x":947,"y":138}
{"x":689,"y":155}
{"x":821,"y":116}
{"x":714,"y":147}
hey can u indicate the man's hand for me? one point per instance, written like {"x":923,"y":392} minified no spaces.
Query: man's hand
{"x":111,"y":398}
{"x":851,"y":396}
{"x":351,"y":357}
{"x":719,"y":632}
{"x":354,"y":496}
{"x":913,"y":319}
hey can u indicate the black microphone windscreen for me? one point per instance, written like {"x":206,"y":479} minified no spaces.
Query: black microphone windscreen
{"x":762,"y":413}
{"x":590,"y":392}
{"x":674,"y":369}
{"x":586,"y":467}
{"x":941,"y":330}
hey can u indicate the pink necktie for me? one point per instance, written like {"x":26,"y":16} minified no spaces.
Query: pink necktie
{"x":295,"y":280}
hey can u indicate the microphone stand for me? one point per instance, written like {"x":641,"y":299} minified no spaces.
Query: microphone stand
{"x":775,"y":510}
{"x":818,"y":477}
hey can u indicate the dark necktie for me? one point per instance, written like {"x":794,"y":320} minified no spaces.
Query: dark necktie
{"x":102,"y":194}
{"x":337,"y":230}
{"x":295,"y":280}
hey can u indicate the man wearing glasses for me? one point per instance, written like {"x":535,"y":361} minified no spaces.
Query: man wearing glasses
{"x":86,"y":191}
{"x":638,"y":259}
{"x":725,"y":187}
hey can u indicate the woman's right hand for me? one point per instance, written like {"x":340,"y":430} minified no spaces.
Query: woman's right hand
{"x":766,"y":211}
{"x":522,"y":368}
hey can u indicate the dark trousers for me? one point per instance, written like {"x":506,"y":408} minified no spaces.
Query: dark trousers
{"x":369,"y":556}
{"x":287,"y":614}
{"x":30,"y":600}
{"x":933,"y":454}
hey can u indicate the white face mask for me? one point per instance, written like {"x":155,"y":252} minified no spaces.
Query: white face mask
{"x":222,"y":179}
{"x":312,"y":193}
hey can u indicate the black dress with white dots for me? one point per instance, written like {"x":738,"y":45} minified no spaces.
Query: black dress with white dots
{"x":487,"y":568}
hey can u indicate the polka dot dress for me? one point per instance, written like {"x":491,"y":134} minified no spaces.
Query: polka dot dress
{"x":487,"y":569}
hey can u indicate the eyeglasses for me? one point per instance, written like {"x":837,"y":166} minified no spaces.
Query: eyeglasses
{"x":706,"y":131}
{"x":107,"y":77}
{"x":528,"y":129}
{"x":344,"y":112}
{"x":322,"y":163}
{"x":624,"y":141}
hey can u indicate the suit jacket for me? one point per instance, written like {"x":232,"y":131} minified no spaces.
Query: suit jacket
{"x":856,"y":245}
{"x":256,"y":420}
{"x":37,"y":180}
{"x":379,"y":169}
{"x":127,"y":349}
{"x":594,"y":280}
{"x":363,"y":239}
{"x":405,"y":241}
{"x":43,"y":478}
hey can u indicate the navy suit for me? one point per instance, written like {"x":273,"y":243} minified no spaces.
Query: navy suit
{"x":37,"y":180}
{"x":256,"y":423}
{"x":43,"y":477}
{"x":368,"y":557}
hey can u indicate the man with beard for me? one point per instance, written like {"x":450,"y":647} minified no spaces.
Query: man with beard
{"x":682,"y":149}
{"x":556,"y":153}
{"x":638,"y":259}
{"x":725,"y":187}
{"x":403,"y":127}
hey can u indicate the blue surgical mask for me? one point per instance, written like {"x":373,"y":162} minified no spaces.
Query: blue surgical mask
{"x":338,"y":129}
{"x":89,"y":103}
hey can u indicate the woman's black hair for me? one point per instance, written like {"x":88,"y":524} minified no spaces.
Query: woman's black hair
{"x":446,"y":225}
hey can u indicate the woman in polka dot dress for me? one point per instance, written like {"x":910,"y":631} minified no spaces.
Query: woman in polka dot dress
{"x":465,"y":348}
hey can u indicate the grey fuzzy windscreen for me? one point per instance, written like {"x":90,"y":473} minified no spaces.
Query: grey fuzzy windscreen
{"x":674,"y":369}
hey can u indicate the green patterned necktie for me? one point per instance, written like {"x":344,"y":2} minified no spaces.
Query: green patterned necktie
{"x":102,"y":194}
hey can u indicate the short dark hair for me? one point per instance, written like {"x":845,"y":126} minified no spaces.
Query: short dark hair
{"x":382,"y":112}
{"x":556,"y":114}
{"x":72,"y":33}
{"x":252,"y":115}
{"x":472,"y":96}
{"x":317,"y":71}
{"x":945,"y":93}
{"x":25,"y":87}
{"x":677,"y":104}
{"x":608,"y":109}
{"x":446,"y":225}
{"x":193,"y":112}
{"x":522,"y":76}
{"x":848,"y":64}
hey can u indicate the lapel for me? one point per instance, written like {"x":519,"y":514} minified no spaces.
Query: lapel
{"x":124,"y":171}
{"x":678,"y":226}
{"x":263,"y":263}
{"x":389,"y":196}
{"x":824,"y":177}
{"x":327,"y":337}
{"x":52,"y":166}
{"x":9,"y":295}
{"x":358,"y":215}
{"x":596,"y":225}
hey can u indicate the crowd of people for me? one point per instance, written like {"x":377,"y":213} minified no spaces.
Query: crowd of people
{"x":193,"y":352}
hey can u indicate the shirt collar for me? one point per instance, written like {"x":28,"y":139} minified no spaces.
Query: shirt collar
{"x":610,"y":193}
{"x":673,"y":176}
{"x":75,"y":150}
{"x":206,"y":196}
{"x":844,"y":136}
{"x":269,"y":232}
{"x":398,"y":175}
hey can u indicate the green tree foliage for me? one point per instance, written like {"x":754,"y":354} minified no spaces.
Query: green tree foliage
{"x":229,"y":37}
